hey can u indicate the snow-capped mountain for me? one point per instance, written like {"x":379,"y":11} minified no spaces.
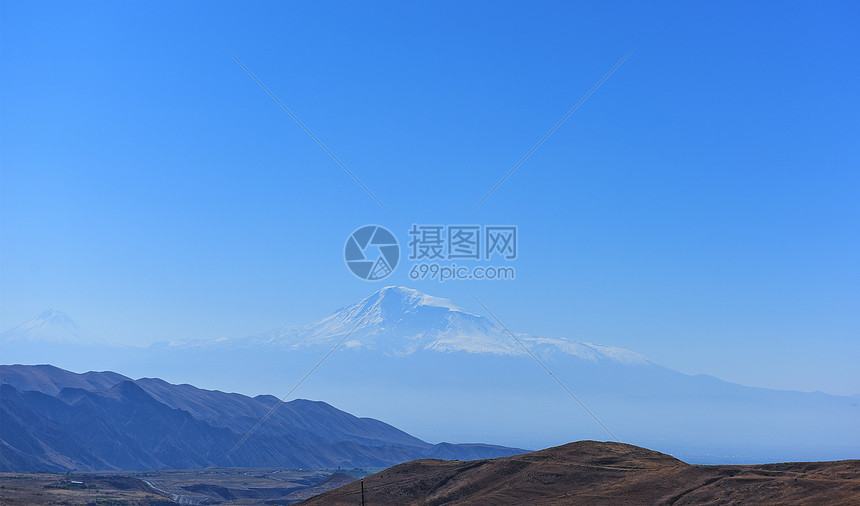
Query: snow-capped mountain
{"x":51,"y":327}
{"x":400,"y":321}
{"x":426,"y":364}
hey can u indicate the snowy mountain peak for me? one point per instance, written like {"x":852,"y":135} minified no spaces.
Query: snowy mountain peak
{"x":394,"y":318}
{"x":397,"y":320}
{"x":409,"y":299}
{"x":52,"y":316}
{"x":51,"y":326}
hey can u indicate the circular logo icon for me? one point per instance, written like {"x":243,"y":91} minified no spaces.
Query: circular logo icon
{"x":371,"y":252}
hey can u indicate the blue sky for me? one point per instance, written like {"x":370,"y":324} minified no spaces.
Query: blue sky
{"x":700,"y":208}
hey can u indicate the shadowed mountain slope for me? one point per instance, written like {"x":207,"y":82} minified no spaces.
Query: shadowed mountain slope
{"x":53,"y":420}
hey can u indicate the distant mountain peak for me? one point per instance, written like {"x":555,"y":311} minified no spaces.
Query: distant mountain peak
{"x":51,"y":316}
{"x":413,"y":298}
{"x":52,"y":313}
{"x":52,"y":326}
{"x":397,"y":320}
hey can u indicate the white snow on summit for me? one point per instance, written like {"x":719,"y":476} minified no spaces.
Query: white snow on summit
{"x":417,"y":298}
{"x":51,"y":326}
{"x":400,"y":321}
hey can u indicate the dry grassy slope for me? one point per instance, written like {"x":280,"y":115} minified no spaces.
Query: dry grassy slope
{"x":589,"y":472}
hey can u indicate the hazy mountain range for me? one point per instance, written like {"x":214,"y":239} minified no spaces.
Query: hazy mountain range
{"x":437,"y":371}
{"x":52,"y":419}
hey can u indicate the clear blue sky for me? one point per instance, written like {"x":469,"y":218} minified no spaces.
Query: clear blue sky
{"x":701,"y":208}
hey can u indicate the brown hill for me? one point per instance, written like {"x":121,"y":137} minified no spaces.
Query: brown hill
{"x":589,"y":472}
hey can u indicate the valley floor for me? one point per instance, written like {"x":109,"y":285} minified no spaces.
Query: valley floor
{"x":233,"y":486}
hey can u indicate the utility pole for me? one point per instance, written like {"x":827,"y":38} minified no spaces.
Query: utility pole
{"x":362,"y":492}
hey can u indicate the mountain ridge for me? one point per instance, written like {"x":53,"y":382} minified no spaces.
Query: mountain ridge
{"x":104,"y":421}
